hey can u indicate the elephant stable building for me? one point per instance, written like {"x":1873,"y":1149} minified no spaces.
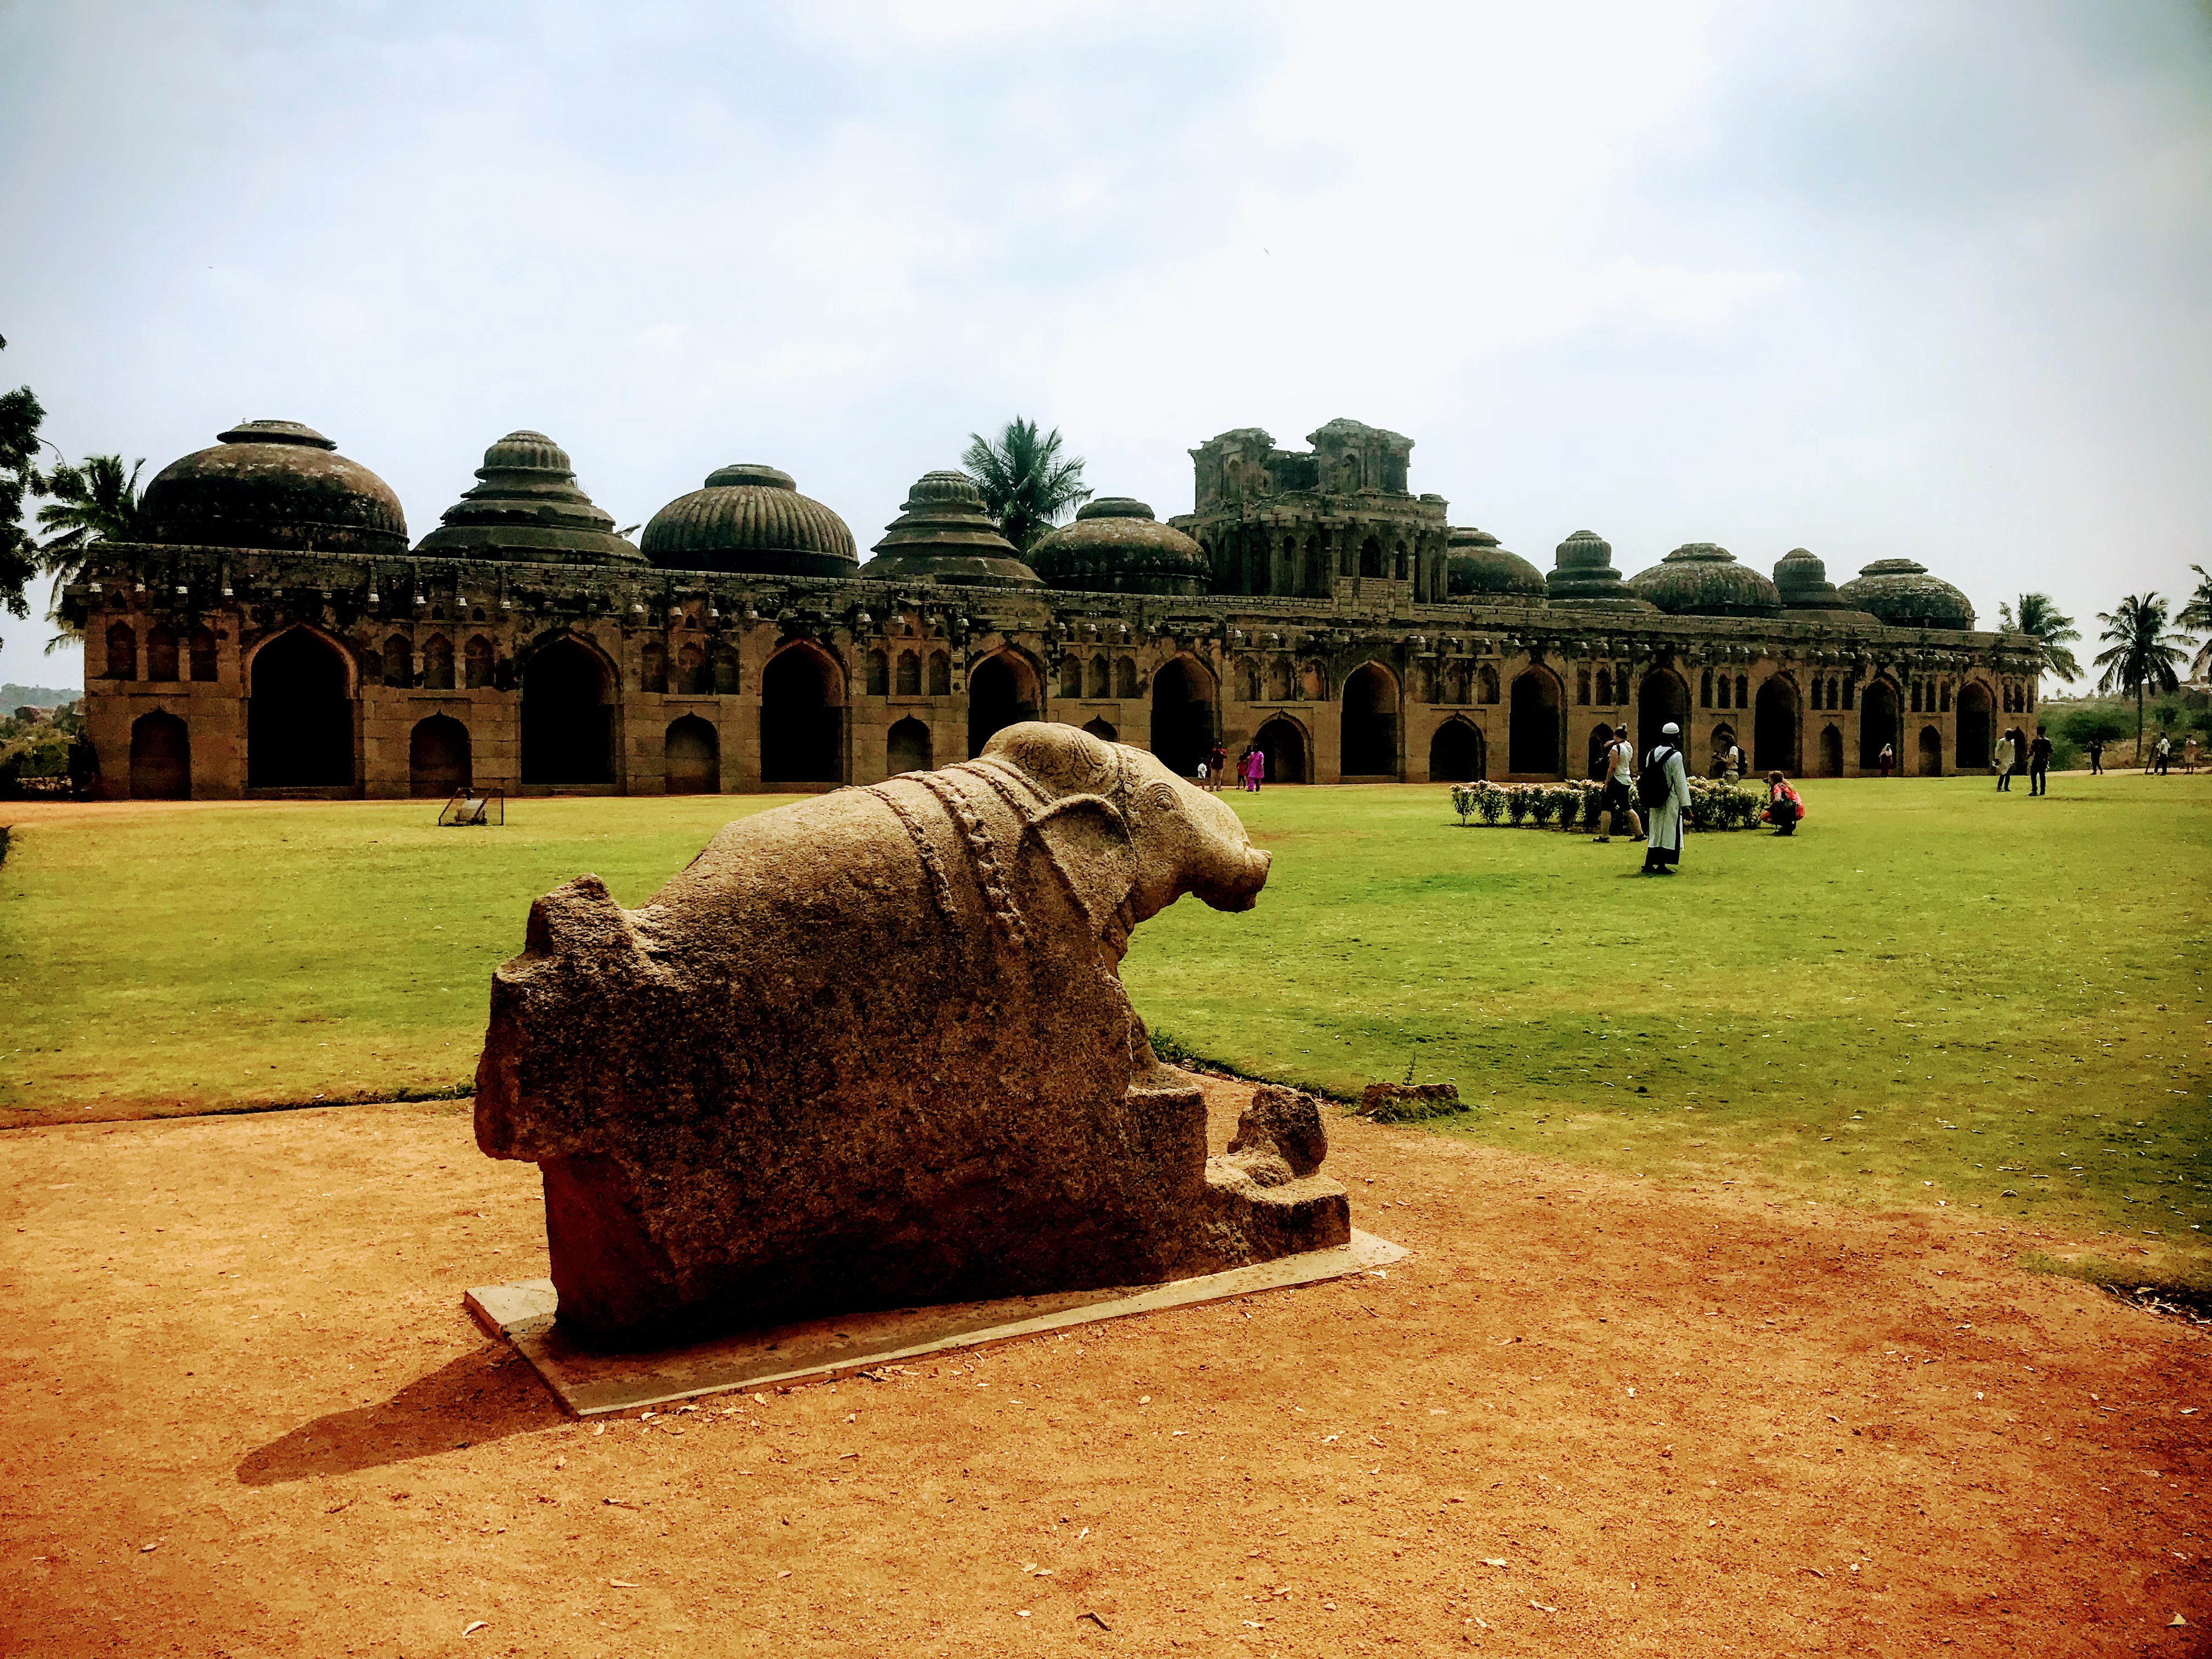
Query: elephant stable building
{"x":277,"y":634}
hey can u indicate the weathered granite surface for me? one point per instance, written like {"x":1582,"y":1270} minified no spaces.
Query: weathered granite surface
{"x":873,"y":1050}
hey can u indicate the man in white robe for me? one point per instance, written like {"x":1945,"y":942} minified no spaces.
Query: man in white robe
{"x":1663,"y":849}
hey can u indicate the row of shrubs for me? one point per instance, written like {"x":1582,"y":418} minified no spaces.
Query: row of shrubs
{"x":1579,"y":803}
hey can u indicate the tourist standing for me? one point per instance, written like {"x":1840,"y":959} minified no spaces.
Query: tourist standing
{"x":2189,"y":754}
{"x":2162,"y":750}
{"x":1888,"y":759}
{"x":1217,"y":762}
{"x":1732,"y":762}
{"x":2039,"y":763}
{"x":1665,"y":791}
{"x":2096,"y":757}
{"x":1255,"y":770}
{"x":2006,"y":755}
{"x":1619,"y":800}
{"x":1784,"y":806}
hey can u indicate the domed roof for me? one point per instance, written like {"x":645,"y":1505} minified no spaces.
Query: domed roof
{"x":1116,"y":546}
{"x":529,"y":506}
{"x":1476,"y":566}
{"x":944,"y":535}
{"x":1582,"y":574}
{"x":275,"y":484}
{"x":1699,"y":578}
{"x":1803,"y":580}
{"x":750,"y":519}
{"x":1903,"y":594}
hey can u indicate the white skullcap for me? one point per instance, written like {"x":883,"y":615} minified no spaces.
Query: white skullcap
{"x":1670,"y":730}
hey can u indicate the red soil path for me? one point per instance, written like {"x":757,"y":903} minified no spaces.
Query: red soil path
{"x":1686,"y":1420}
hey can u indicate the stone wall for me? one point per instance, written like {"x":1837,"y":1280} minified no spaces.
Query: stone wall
{"x":380,"y":671}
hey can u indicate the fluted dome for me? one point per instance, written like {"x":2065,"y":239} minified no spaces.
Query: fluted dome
{"x":275,"y":484}
{"x":1116,"y":546}
{"x":1904,"y":595}
{"x":527,"y":505}
{"x":750,"y":519}
{"x":1475,"y":566}
{"x":1803,"y":580}
{"x":1699,"y":578}
{"x":1582,"y":574}
{"x":945,"y":535}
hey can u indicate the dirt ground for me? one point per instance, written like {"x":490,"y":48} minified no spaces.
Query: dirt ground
{"x":245,"y":1414}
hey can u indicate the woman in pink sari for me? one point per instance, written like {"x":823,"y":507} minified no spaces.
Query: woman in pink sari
{"x":1255,"y":770}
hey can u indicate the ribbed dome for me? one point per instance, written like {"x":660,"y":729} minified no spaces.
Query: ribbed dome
{"x":945,"y":535}
{"x":1476,"y":566}
{"x":1803,"y":580}
{"x":529,"y":506}
{"x":276,"y":484}
{"x":1903,"y":594}
{"x":1582,"y":574}
{"x":1116,"y":546}
{"x":1699,"y":578}
{"x":750,"y":519}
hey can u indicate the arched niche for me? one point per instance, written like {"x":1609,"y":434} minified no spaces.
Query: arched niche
{"x":1455,"y":753}
{"x":1774,"y":728}
{"x":567,"y":715}
{"x":1184,"y":710}
{"x":1282,"y":744}
{"x":1003,"y":690}
{"x":802,"y":716}
{"x":908,"y":748}
{"x":1977,"y":722}
{"x":1370,"y":722}
{"x":1536,"y":724}
{"x":161,"y":758}
{"x":1661,"y":698}
{"x":1878,"y":725}
{"x":299,"y":714}
{"x":438,"y":758}
{"x":692,"y":758}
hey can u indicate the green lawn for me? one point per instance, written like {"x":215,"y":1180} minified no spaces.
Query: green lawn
{"x":1930,"y":983}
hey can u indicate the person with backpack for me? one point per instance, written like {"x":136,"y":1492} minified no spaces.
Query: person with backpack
{"x":1619,"y":772}
{"x":1664,"y":789}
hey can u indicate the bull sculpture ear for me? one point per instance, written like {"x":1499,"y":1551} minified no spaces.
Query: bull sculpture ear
{"x":1087,"y":842}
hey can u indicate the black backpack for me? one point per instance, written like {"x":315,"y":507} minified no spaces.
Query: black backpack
{"x":1651,"y":786}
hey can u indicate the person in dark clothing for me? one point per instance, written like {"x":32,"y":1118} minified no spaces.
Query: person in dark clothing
{"x":84,"y":766}
{"x":2039,"y":763}
{"x":2096,"y":757}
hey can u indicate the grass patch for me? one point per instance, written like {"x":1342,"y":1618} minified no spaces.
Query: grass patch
{"x":1933,"y":991}
{"x":263,"y":954}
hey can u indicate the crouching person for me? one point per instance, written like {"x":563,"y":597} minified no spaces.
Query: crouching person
{"x":1784,"y":806}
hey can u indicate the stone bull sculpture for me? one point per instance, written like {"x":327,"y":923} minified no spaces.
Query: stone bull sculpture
{"x":873,"y":1050}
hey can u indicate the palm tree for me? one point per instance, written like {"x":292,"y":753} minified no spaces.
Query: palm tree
{"x":2037,"y":616}
{"x":1026,"y":483}
{"x":95,"y":503}
{"x":2141,"y":655}
{"x":20,"y":415}
{"x":2197,"y":615}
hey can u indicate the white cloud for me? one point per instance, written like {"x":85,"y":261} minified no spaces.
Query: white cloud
{"x":1870,"y":281}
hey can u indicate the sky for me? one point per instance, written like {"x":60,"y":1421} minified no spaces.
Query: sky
{"x":1929,"y":278}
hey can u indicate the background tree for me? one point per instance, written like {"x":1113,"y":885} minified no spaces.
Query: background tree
{"x":20,"y":414}
{"x":1027,"y":483}
{"x":2197,"y":615}
{"x":93,"y":503}
{"x":2037,"y":616}
{"x":2141,"y":654}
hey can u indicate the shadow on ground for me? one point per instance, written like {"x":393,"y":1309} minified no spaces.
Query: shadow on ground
{"x":486,"y":1395}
